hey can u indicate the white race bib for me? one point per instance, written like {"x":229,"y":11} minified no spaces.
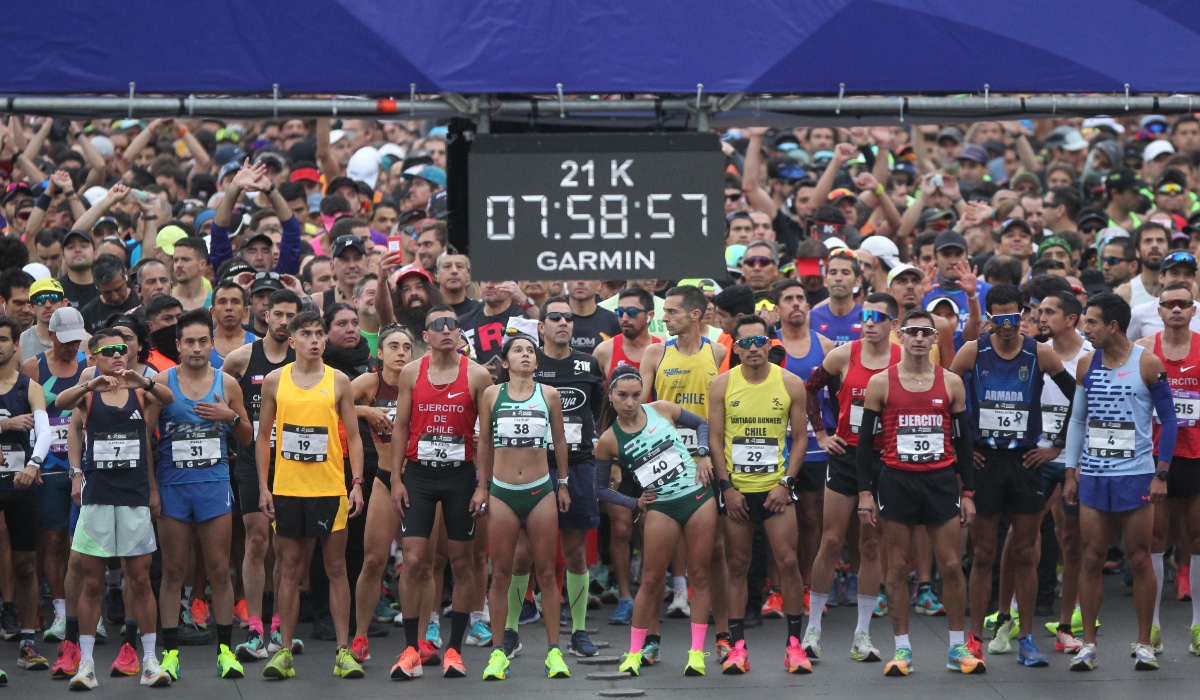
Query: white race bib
{"x":303,"y":443}
{"x":1054,"y":419}
{"x":197,"y":449}
{"x":441,"y":450}
{"x":14,"y":459}
{"x":1006,"y":420}
{"x":856,"y":414}
{"x":272,"y":433}
{"x":520,"y":427}
{"x":920,"y":445}
{"x":690,"y":439}
{"x":573,"y":431}
{"x":755,"y":455}
{"x":1108,"y":438}
{"x":658,"y":469}
{"x":116,"y":451}
{"x":59,"y":427}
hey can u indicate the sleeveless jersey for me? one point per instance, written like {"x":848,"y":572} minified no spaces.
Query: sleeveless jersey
{"x":1006,"y":396}
{"x":684,"y":379}
{"x":657,"y":457}
{"x":60,"y":420}
{"x":117,"y":464}
{"x":190,"y":448}
{"x":216,"y":359}
{"x":523,"y":423}
{"x":308,"y":455}
{"x":385,"y":399}
{"x":442,"y":423}
{"x":580,"y":384}
{"x":1138,"y":293}
{"x":756,"y":427}
{"x":1184,"y":379}
{"x":839,"y":329}
{"x":1119,"y":439}
{"x":854,"y":391}
{"x":251,"y":383}
{"x":1054,"y":403}
{"x":803,"y":367}
{"x":15,"y":443}
{"x":916,"y":425}
{"x":619,"y":357}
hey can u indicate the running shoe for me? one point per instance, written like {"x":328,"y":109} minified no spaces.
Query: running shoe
{"x":695,"y":663}
{"x":651,"y":653}
{"x":497,"y":667}
{"x":57,"y":631}
{"x":241,"y":615}
{"x":1183,"y":583}
{"x":154,"y":676}
{"x":928,"y":604}
{"x":623,"y":615}
{"x":253,"y":649}
{"x":581,"y":644}
{"x":200,"y":613}
{"x":385,"y":610}
{"x":852,"y":589}
{"x":276,"y":644}
{"x":360,"y":648}
{"x":794,"y":658}
{"x":881,"y":606}
{"x":85,"y":676}
{"x":227,"y":664}
{"x":901,"y":663}
{"x":1156,"y":639}
{"x":772,"y":609}
{"x":738,"y":661}
{"x":429,"y":653}
{"x":479,"y":635}
{"x":724,"y":646}
{"x":280,"y":666}
{"x":679,"y":607}
{"x":1028,"y":653}
{"x":631,"y":663}
{"x":408,"y":666}
{"x":863,"y":649}
{"x":126,"y":663}
{"x":10,"y":626}
{"x":1194,"y":648}
{"x":1085,"y":659}
{"x":67,"y":663}
{"x":452,"y":665}
{"x":512,"y":643}
{"x":530,"y":612}
{"x":960,"y":658}
{"x":975,"y":644}
{"x":434,"y":635}
{"x":101,"y":635}
{"x":29,"y":659}
{"x":170,"y":663}
{"x":1146,"y":661}
{"x":812,"y":642}
{"x":345,"y":665}
{"x":564,"y":615}
{"x":1002,"y":639}
{"x":555,"y":666}
{"x":990,"y":622}
{"x":1066,"y":642}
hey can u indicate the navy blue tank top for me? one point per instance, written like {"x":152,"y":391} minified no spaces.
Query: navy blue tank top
{"x":15,"y":443}
{"x":117,"y":462}
{"x":1006,"y":397}
{"x":839,"y":329}
{"x":60,"y":420}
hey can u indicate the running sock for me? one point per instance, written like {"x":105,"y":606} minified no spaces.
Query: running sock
{"x":476,"y":616}
{"x":27,"y":635}
{"x":87,"y":643}
{"x":1156,"y":561}
{"x":737,"y":629}
{"x":255,"y":624}
{"x":148,"y":653}
{"x":412,"y":632}
{"x":131,"y":635}
{"x":699,"y":632}
{"x":458,"y":629}
{"x":72,"y":629}
{"x":866,"y":606}
{"x":60,"y":607}
{"x":577,"y":594}
{"x":679,"y":585}
{"x":224,"y":635}
{"x":516,"y":598}
{"x":816,"y":601}
{"x":170,"y":638}
{"x":187,"y":595}
{"x":435,"y":619}
{"x":1195,"y":581}
{"x":957,"y":638}
{"x":795,"y":626}
{"x":274,"y":623}
{"x":902,"y":642}
{"x":637,"y":639}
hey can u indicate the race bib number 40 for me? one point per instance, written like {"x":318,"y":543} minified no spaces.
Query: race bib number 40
{"x":658,"y":468}
{"x":303,"y":443}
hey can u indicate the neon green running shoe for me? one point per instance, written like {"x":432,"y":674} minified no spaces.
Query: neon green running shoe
{"x":280,"y":666}
{"x":228,"y":665}
{"x":170,"y":663}
{"x":631,"y":663}
{"x":695,"y":663}
{"x":555,"y":666}
{"x":497,"y":668}
{"x":345,"y":665}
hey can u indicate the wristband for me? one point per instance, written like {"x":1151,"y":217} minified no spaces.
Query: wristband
{"x":563,"y":481}
{"x":865,"y":510}
{"x":271,"y":189}
{"x":149,"y":386}
{"x":69,"y":193}
{"x":43,"y":202}
{"x":879,"y":190}
{"x":149,"y":217}
{"x":356,"y":481}
{"x":973,"y":297}
{"x":526,"y":305}
{"x":968,"y":494}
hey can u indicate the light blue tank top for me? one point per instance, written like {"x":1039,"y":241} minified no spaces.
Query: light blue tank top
{"x":657,"y":457}
{"x":190,"y":448}
{"x":1119,"y":437}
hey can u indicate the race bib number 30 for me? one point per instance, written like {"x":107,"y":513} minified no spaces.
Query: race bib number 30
{"x":755,"y":455}
{"x":196,"y":450}
{"x":442,"y":450}
{"x":1108,"y":438}
{"x":303,"y":443}
{"x":116,"y":451}
{"x":920,"y":445}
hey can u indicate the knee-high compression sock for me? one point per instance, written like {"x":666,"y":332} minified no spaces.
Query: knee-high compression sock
{"x":1156,"y":561}
{"x":577,"y":594}
{"x":516,"y":598}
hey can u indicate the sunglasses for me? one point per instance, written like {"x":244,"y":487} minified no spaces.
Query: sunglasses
{"x":758,"y":261}
{"x":1176,"y":303}
{"x":918,"y":331}
{"x":112,"y":350}
{"x":1156,"y":127}
{"x":1049,"y":204}
{"x":1005,"y":319}
{"x":764,"y":305}
{"x":40,"y":299}
{"x":631,"y":312}
{"x":266,"y":276}
{"x":733,"y":197}
{"x":1170,"y":188}
{"x":844,"y":253}
{"x":445,"y":323}
{"x":876,"y":316}
{"x":1052,"y":264}
{"x":1090,"y":228}
{"x":561,"y":316}
{"x":1178,"y":257}
{"x":1114,"y":260}
{"x":757,"y":341}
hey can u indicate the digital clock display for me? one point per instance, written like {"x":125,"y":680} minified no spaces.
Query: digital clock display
{"x":596,"y":206}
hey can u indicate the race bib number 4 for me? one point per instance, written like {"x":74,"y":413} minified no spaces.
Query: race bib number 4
{"x":520,"y":427}
{"x":59,"y":426}
{"x":198,"y":449}
{"x":116,"y":451}
{"x":442,"y":450}
{"x":1108,"y":438}
{"x":755,"y":455}
{"x":658,"y":468}
{"x":303,"y":443}
{"x":14,"y":459}
{"x":920,"y":445}
{"x":1003,"y":420}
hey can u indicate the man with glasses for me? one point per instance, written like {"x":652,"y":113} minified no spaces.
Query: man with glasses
{"x":1090,"y":222}
{"x":760,"y":265}
{"x":1178,"y":346}
{"x":852,"y":365}
{"x":750,"y":407}
{"x":1171,"y":193}
{"x":437,"y":402}
{"x":349,"y":254}
{"x":1119,"y":262}
{"x":927,"y":479}
{"x":1005,"y":370}
{"x":1112,"y":471}
{"x":1179,"y":267}
{"x":116,"y":296}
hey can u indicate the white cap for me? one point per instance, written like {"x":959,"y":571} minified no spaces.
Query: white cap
{"x":67,"y":325}
{"x":364,"y":166}
{"x":95,"y":195}
{"x":900,"y":269}
{"x":882,"y":248}
{"x":1102,"y":120}
{"x":104,"y":145}
{"x":392,"y":149}
{"x":37,"y":271}
{"x":336,"y":135}
{"x":1156,"y":149}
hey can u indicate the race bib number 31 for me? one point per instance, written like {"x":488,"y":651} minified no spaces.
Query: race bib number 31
{"x":302,"y":443}
{"x":196,"y":450}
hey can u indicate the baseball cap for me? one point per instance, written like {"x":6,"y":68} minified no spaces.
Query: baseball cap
{"x":949,"y":239}
{"x":364,"y":166}
{"x":1104,"y":122}
{"x":733,"y":257}
{"x":1122,"y":178}
{"x":933,"y":303}
{"x":1025,"y":175}
{"x":252,"y":237}
{"x":228,"y":153}
{"x":228,"y":168}
{"x":236,"y":268}
{"x":882,"y":248}
{"x":67,"y":324}
{"x":314,"y":202}
{"x":46,"y":284}
{"x":430,"y":173}
{"x":933,"y":214}
{"x":1156,"y":149}
{"x":266,"y":281}
{"x":77,"y":233}
{"x":336,"y":135}
{"x":1054,"y":242}
{"x":38,"y":272}
{"x":841,"y":193}
{"x":1090,"y":214}
{"x":974,"y":153}
{"x":413,"y":269}
{"x":94,"y":195}
{"x":347,"y":241}
{"x":901,"y":269}
{"x":951,"y":132}
{"x":786,"y":169}
{"x":1067,"y":138}
{"x":1017,"y":223}
{"x":167,"y":237}
{"x":1179,"y":257}
{"x":704,"y":284}
{"x":1149,"y":119}
{"x":310,"y":174}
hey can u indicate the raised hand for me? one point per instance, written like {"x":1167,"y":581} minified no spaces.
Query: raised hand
{"x":844,"y":152}
{"x":866,"y":182}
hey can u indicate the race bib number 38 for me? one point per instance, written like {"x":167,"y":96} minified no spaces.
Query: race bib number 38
{"x":303,"y":443}
{"x":520,"y":427}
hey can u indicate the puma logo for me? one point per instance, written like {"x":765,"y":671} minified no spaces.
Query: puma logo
{"x":451,"y":396}
{"x":324,"y":524}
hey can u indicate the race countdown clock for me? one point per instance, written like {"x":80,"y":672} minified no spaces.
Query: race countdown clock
{"x":596,"y":206}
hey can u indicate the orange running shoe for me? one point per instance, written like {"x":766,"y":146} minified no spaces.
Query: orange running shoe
{"x":241,"y":616}
{"x":360,"y":649}
{"x":408,"y":666}
{"x":974,"y":645}
{"x":452,"y":666}
{"x":200,"y":613}
{"x":126,"y":663}
{"x":429,"y":653}
{"x":67,"y":663}
{"x":772,"y":609}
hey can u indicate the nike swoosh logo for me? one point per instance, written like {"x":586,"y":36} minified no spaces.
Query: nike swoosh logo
{"x":450,"y":396}
{"x":650,"y":431}
{"x":1122,"y":374}
{"x":536,"y":492}
{"x":700,"y":495}
{"x":1187,"y":368}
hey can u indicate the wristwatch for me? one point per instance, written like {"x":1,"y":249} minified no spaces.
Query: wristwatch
{"x":1162,"y":474}
{"x":36,"y":460}
{"x":74,"y":471}
{"x":236,"y":420}
{"x":787,"y":481}
{"x":703,"y":451}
